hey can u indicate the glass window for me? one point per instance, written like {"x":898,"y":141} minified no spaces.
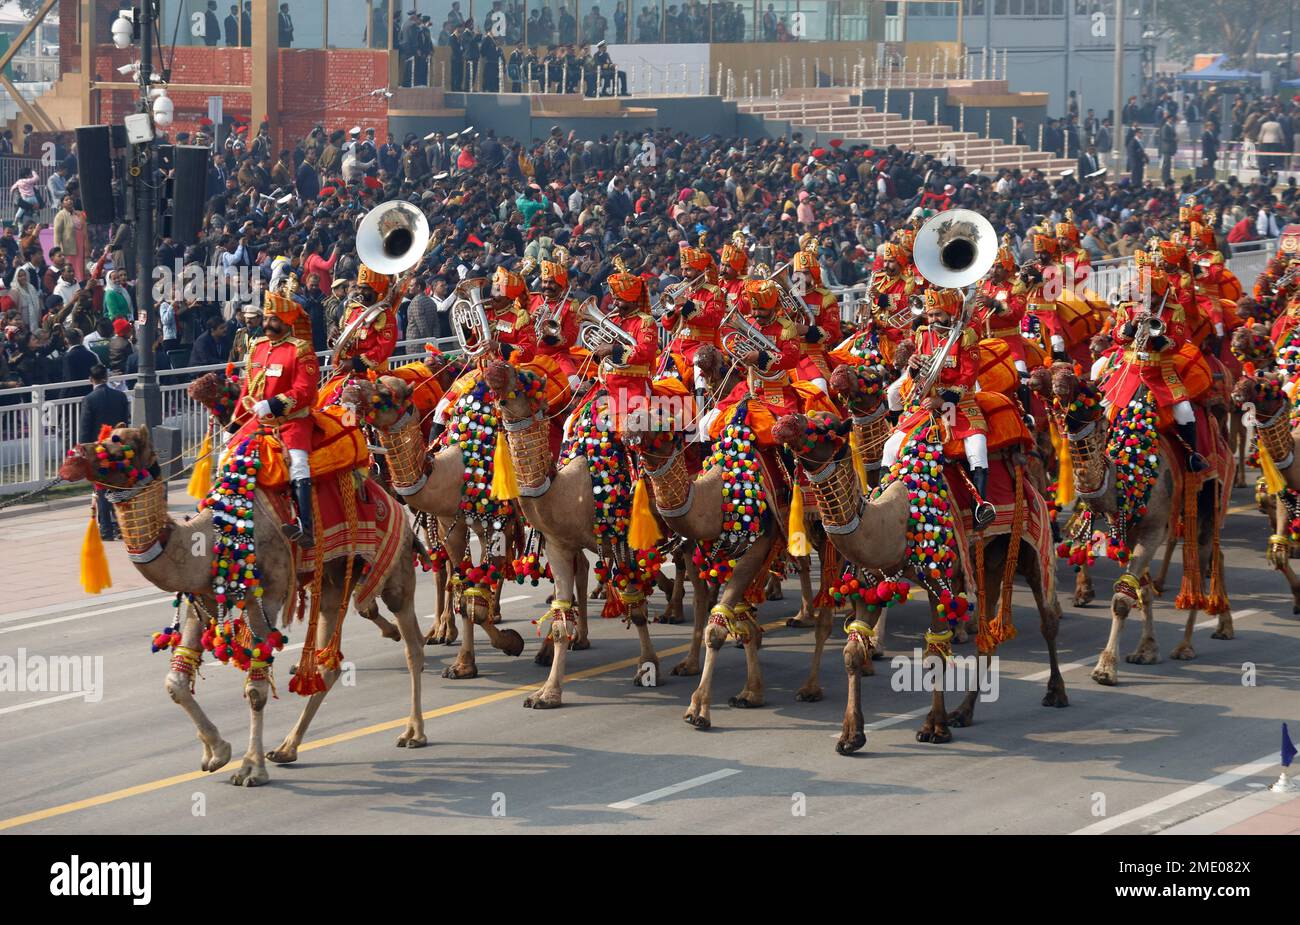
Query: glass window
{"x":345,"y":24}
{"x":1058,"y":7}
{"x":647,"y":22}
{"x":1000,"y":8}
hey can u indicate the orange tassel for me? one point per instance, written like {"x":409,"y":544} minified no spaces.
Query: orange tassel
{"x":94,"y":564}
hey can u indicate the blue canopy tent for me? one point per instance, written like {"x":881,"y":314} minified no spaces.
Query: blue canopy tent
{"x":1218,"y":70}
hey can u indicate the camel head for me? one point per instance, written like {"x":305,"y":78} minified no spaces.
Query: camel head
{"x":714,"y":365}
{"x":1076,"y":398}
{"x":654,"y":445}
{"x":519,"y":393}
{"x":118,"y":459}
{"x":380,"y":402}
{"x":903,"y":353}
{"x":1263,"y":391}
{"x":815,"y":440}
{"x":445,"y":369}
{"x":218,"y":392}
{"x":1251,"y":344}
{"x":1248,"y":309}
{"x":1099,"y":345}
{"x":860,"y":388}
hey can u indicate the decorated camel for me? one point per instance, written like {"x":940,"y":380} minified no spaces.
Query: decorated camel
{"x":1128,"y":475}
{"x":453,"y":485}
{"x":236,"y":541}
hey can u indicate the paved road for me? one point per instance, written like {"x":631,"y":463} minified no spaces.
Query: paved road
{"x":1171,"y":743}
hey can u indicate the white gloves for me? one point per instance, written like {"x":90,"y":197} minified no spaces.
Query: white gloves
{"x":262,"y":409}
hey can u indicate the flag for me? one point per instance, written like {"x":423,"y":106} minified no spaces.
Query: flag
{"x":1288,"y":749}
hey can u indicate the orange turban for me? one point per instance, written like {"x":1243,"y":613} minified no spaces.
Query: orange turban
{"x":696,"y":258}
{"x":805,"y":261}
{"x":379,"y":282}
{"x":735,"y":256}
{"x":627,"y":287}
{"x":945,"y":300}
{"x":1173,"y":252}
{"x":1044,"y":243}
{"x":508,"y":284}
{"x":552,"y":270}
{"x":762,"y":293}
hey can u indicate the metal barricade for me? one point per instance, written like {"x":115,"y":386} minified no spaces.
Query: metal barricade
{"x":13,"y":169}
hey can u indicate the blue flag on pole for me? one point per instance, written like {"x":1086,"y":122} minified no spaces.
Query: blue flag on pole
{"x":1288,"y":749}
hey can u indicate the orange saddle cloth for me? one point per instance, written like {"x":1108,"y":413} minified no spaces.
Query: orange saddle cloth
{"x":336,"y":447}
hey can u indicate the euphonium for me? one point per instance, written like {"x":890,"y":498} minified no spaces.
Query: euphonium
{"x":793,"y":307}
{"x":743,"y":337}
{"x":595,"y":329}
{"x":469,"y":321}
{"x":675,"y":293}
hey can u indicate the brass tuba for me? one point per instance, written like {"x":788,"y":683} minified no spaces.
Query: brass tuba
{"x":742,"y":337}
{"x":595,"y":329}
{"x":469,"y":320}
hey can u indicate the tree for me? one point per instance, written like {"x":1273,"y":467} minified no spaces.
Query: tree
{"x":1230,"y":27}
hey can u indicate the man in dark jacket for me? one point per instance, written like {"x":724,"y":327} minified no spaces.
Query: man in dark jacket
{"x":308,"y":180}
{"x":211,"y":25}
{"x":103,"y":406}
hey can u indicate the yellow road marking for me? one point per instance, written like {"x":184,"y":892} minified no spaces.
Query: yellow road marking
{"x":1243,"y":508}
{"x":486,"y":699}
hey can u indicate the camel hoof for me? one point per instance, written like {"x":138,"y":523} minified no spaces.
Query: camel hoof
{"x":924,"y":735}
{"x":545,"y":654}
{"x":218,"y":758}
{"x":940,"y":736}
{"x":1183,"y":652}
{"x":809,"y":695}
{"x":1158,"y":587}
{"x":687,"y":667}
{"x":539,"y":701}
{"x":285,"y":754}
{"x":699,"y":722}
{"x":670,"y":617}
{"x":580,"y":644}
{"x":1106,"y":677}
{"x":800,"y":621}
{"x":1224,"y":632}
{"x":459,"y":672}
{"x":411,"y":740}
{"x":1056,"y":698}
{"x":1145,"y":657}
{"x":250,"y":776}
{"x":776,"y":593}
{"x":745,"y":701}
{"x":960,"y":636}
{"x":961,"y":718}
{"x":848,"y":744}
{"x":512,"y":643}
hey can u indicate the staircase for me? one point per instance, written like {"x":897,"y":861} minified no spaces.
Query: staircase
{"x":829,"y":112}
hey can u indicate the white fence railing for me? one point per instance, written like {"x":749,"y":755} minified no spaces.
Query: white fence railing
{"x":39,"y":424}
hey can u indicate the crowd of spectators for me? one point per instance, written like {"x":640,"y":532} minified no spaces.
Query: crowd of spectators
{"x":490,"y":201}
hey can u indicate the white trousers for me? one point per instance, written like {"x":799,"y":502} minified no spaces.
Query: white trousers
{"x":1184,"y":413}
{"x":976,"y":447}
{"x":298,"y":468}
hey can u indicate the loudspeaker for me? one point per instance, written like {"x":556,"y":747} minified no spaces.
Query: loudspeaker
{"x":119,"y":136}
{"x":189,"y":189}
{"x":95,"y":173}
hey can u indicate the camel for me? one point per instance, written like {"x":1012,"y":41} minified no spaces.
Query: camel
{"x":434,"y":483}
{"x":871,"y":534}
{"x":179,"y":560}
{"x":561,"y":505}
{"x":1094,"y":476}
{"x":1262,"y":398}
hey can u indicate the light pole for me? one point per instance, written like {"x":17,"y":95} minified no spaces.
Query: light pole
{"x":157,"y":110}
{"x":1117,"y":122}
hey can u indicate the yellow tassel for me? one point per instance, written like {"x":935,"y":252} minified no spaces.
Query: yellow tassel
{"x":201,"y":478}
{"x":643,"y":532}
{"x":504,"y":485}
{"x":859,"y":467}
{"x":1065,"y":471}
{"x":1273,"y":479}
{"x":798,"y":544}
{"x":94,"y":565}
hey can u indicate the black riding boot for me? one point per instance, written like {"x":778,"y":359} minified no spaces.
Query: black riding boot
{"x":304,"y":531}
{"x":984,"y":513}
{"x":1025,"y":397}
{"x":1195,"y":461}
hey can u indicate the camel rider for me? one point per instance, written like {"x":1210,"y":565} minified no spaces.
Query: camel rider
{"x":1214,"y":278}
{"x":768,"y":387}
{"x":999,"y":310}
{"x":955,"y":385}
{"x":890,"y":293}
{"x":733,"y":263}
{"x":279,"y":391}
{"x":1145,"y":358}
{"x":374,"y":343}
{"x":559,"y":324}
{"x":695,"y":317}
{"x":626,"y":367}
{"x":1070,"y":254}
{"x":821,"y":327}
{"x":1203,"y":316}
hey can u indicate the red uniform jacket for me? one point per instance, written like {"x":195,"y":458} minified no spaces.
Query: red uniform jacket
{"x":376,"y":342}
{"x":286,"y":370}
{"x":559,"y":352}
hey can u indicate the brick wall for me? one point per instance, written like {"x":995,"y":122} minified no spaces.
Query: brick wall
{"x":315,"y":86}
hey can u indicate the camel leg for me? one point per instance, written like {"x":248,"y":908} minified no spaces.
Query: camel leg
{"x":216,"y":750}
{"x":581,"y":577}
{"x":715,"y":634}
{"x":647,"y":662}
{"x":257,"y":690}
{"x":853,"y":735}
{"x":745,"y":574}
{"x":805,"y":617}
{"x":548,"y":696}
{"x":385,"y":627}
{"x":702,"y":600}
{"x":935,"y":728}
{"x":399,"y":598}
{"x":1159,"y":582}
{"x":287,"y":751}
{"x":877,"y":648}
{"x":457,"y":540}
{"x":676,"y":591}
{"x":812,"y":689}
{"x":1084,"y":593}
{"x":443,"y":631}
{"x":1049,"y":624}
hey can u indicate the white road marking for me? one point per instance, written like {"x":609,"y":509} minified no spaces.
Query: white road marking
{"x":1178,"y":797}
{"x":50,"y":610}
{"x":674,"y":788}
{"x":40,"y":703}
{"x":89,"y":613}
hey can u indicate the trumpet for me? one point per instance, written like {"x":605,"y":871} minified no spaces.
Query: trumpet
{"x":596,"y":330}
{"x":1286,"y":279}
{"x":794,"y":308}
{"x":674,"y":293}
{"x":469,"y":321}
{"x":547,"y":322}
{"x":744,"y":337}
